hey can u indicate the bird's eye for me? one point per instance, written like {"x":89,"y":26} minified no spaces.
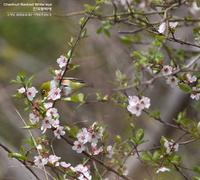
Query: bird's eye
{"x":43,"y":92}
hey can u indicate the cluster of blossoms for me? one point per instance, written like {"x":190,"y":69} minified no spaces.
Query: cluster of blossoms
{"x":82,"y":171}
{"x":30,"y":93}
{"x":136,"y":105}
{"x":173,"y":81}
{"x":87,"y":139}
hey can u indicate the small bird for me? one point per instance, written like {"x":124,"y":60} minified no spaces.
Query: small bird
{"x":68,"y":86}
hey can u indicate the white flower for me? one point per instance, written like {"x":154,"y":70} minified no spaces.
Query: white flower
{"x":53,"y":159}
{"x":172,"y":81}
{"x":145,"y":102}
{"x":34,"y":118}
{"x":21,"y":90}
{"x":62,"y":61}
{"x":31,"y":92}
{"x":78,"y":147}
{"x":162,"y":28}
{"x":46,"y":124}
{"x":110,"y":151}
{"x":195,"y":93}
{"x":96,"y":151}
{"x":40,"y":162}
{"x":162,"y":169}
{"x":65,"y":165}
{"x":84,"y":172}
{"x":167,"y":70}
{"x":58,"y":74}
{"x":83,"y":136}
{"x":48,"y":105}
{"x":170,"y":146}
{"x":173,"y":25}
{"x":191,"y":78}
{"x":136,"y":105}
{"x":53,"y":113}
{"x":39,"y":147}
{"x":54,"y":94}
{"x":58,"y":132}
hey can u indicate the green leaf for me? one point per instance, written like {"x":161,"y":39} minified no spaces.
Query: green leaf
{"x":17,"y":156}
{"x":146,"y":156}
{"x":185,"y":87}
{"x":72,"y":131}
{"x":175,"y":159}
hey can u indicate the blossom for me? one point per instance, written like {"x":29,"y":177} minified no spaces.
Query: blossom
{"x":96,"y":151}
{"x":163,"y":26}
{"x":39,"y":161}
{"x":191,"y":78}
{"x":65,"y":165}
{"x":195,"y":93}
{"x":58,"y":132}
{"x":166,"y":70}
{"x":145,"y":102}
{"x":48,"y":105}
{"x":46,"y":124}
{"x":58,"y":74}
{"x":34,"y":118}
{"x":162,"y":169}
{"x":170,"y":146}
{"x":172,"y":81}
{"x":78,"y":147}
{"x":53,"y":113}
{"x":31,"y":92}
{"x":54,"y":94}
{"x":53,"y":159}
{"x":84,"y":172}
{"x":21,"y":90}
{"x":83,"y":136}
{"x":136,"y":105}
{"x":62,"y":61}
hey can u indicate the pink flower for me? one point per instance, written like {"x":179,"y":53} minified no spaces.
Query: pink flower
{"x":53,"y":113}
{"x":191,"y":78}
{"x":65,"y":165}
{"x":170,"y":146}
{"x":54,"y":94}
{"x":48,"y":105}
{"x":31,"y":92}
{"x":58,"y":132}
{"x":84,"y":172}
{"x":46,"y":124}
{"x":78,"y":147}
{"x":39,"y":161}
{"x":83,"y":136}
{"x":96,"y":151}
{"x":34,"y":118}
{"x":53,"y":159}
{"x":62,"y":61}
{"x":58,"y":74}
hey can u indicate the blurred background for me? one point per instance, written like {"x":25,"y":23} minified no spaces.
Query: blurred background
{"x":32,"y":45}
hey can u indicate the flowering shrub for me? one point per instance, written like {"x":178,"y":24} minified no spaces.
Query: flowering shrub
{"x":159,"y":61}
